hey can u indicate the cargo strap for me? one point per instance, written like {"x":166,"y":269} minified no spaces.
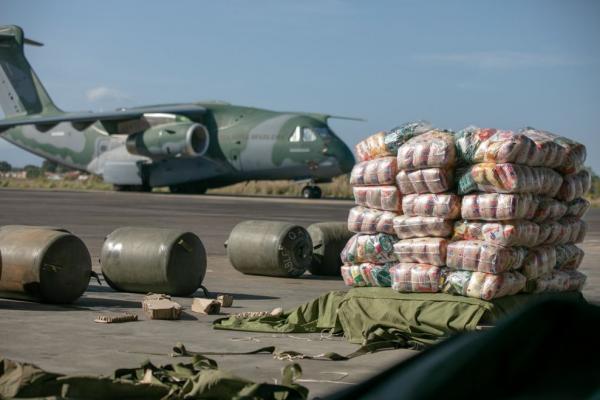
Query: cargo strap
{"x":380,"y":339}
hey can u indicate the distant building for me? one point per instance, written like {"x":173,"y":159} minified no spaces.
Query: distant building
{"x":14,"y":174}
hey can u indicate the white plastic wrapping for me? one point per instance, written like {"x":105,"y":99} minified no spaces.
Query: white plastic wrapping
{"x":568,"y":256}
{"x":498,"y":206}
{"x":508,"y":178}
{"x":369,"y":220}
{"x":434,"y":149}
{"x":575,"y":185}
{"x":477,"y":255}
{"x":430,"y":251}
{"x":377,"y":249}
{"x":502,"y":233}
{"x":442,"y":205}
{"x":538,"y":262}
{"x":484,"y":286}
{"x":420,"y":278}
{"x":427,"y":180}
{"x":407,"y":227}
{"x":577,"y":208}
{"x":367,"y":274}
{"x":380,"y":197}
{"x":380,"y":171}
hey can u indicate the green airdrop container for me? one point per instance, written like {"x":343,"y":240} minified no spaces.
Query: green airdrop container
{"x":143,"y":260}
{"x":271,"y":248}
{"x":328,"y":238}
{"x":43,"y":264}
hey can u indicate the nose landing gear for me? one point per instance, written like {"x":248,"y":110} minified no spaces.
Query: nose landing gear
{"x":311,"y":192}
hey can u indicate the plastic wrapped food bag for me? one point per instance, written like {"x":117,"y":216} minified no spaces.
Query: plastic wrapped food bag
{"x":575,"y":185}
{"x":566,"y":230}
{"x":381,"y":171}
{"x":559,"y":281}
{"x":484,"y":286}
{"x":508,"y":178}
{"x":485,"y":145}
{"x":549,"y":209}
{"x":380,"y":197}
{"x":352,"y":276}
{"x":568,"y":256}
{"x":428,"y":180}
{"x":442,"y":205}
{"x":573,"y":153}
{"x":477,"y":255}
{"x":577,"y":208}
{"x":538,"y":262}
{"x":429,"y":150}
{"x":575,"y":230}
{"x":384,"y":144}
{"x":509,"y":233}
{"x":407,"y":227}
{"x":399,"y":135}
{"x":369,"y":220}
{"x":372,"y":147}
{"x":554,"y":232}
{"x":430,"y":251}
{"x":367,"y":274}
{"x":498,"y":206}
{"x":411,"y":277}
{"x":361,"y":248}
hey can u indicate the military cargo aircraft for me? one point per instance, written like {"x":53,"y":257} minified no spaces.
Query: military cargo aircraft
{"x":187,"y":147}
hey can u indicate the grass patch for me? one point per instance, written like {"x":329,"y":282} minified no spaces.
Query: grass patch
{"x":339,"y":188}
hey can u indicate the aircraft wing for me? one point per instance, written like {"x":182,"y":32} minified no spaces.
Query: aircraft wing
{"x":123,"y":121}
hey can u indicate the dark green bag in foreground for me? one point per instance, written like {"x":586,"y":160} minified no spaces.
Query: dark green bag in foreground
{"x":199,"y":379}
{"x":368,"y":315}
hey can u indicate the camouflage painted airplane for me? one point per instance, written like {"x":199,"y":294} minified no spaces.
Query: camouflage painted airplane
{"x":187,"y":147}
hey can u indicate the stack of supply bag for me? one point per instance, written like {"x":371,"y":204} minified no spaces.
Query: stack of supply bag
{"x":518,"y":195}
{"x":369,"y":254}
{"x":425,"y":165}
{"x":518,"y":189}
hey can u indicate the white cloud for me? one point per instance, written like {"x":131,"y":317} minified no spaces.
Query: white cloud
{"x":103,"y":93}
{"x":498,"y":59}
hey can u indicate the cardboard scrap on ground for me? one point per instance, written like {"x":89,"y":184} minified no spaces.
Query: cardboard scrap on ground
{"x":206,"y":306}
{"x":226,"y":300}
{"x":160,"y":306}
{"x":116,"y":318}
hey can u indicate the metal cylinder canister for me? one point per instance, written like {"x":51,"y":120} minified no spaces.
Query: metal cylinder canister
{"x":270,"y":248}
{"x":43,"y":264}
{"x":328,"y":239}
{"x":143,"y":260}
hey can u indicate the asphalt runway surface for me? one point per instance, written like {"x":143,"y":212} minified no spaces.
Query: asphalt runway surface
{"x":64,"y":339}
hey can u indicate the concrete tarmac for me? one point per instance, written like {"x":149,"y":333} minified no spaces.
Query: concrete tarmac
{"x":65,"y":340}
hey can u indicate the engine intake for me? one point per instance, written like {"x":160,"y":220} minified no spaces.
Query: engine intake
{"x":172,"y":139}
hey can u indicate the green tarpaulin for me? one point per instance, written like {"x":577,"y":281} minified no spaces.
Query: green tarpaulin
{"x":198,"y":379}
{"x":366,"y":315}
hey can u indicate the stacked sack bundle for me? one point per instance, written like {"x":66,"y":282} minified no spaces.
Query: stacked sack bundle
{"x":521,"y":208}
{"x":369,"y":254}
{"x":425,"y":178}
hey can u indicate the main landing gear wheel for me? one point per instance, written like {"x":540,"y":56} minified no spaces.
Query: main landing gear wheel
{"x":188,"y":188}
{"x":132,"y":188}
{"x":311,"y":192}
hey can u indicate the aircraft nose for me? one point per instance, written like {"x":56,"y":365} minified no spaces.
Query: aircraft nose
{"x":345,"y":158}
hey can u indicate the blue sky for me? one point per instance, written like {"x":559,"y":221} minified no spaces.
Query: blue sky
{"x":504,"y":64}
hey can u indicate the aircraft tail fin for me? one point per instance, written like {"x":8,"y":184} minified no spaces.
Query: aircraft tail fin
{"x":21,"y":92}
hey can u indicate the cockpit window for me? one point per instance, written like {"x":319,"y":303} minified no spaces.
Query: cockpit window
{"x":295,"y":136}
{"x":308,"y":135}
{"x":322,"y":131}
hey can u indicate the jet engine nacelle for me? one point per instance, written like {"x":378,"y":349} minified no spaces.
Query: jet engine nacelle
{"x":172,"y":139}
